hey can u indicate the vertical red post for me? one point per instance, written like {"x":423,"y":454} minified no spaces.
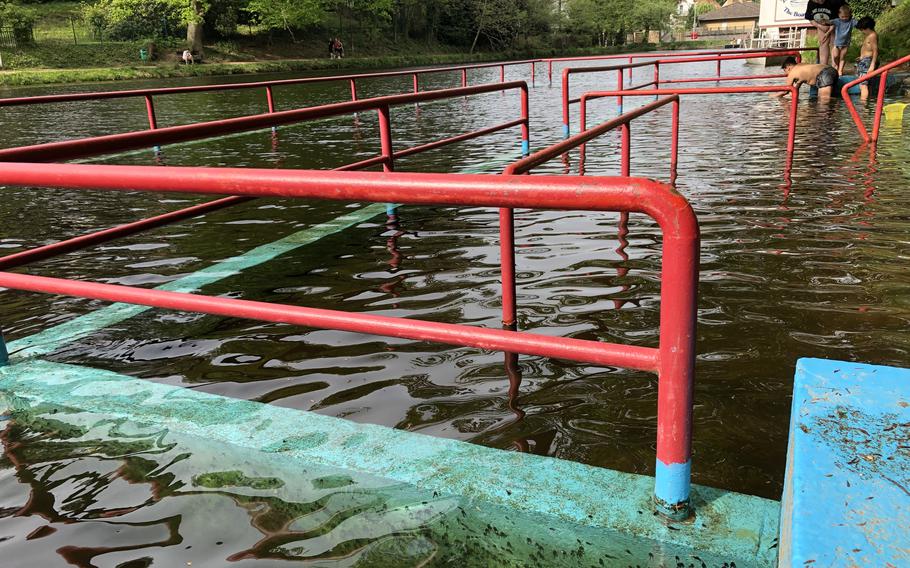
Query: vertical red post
{"x":550,"y":70}
{"x":674,"y":141}
{"x":631,"y":59}
{"x":619,"y":88}
{"x":270,"y":99}
{"x":416,"y":84}
{"x":656,"y":75}
{"x":879,"y":106}
{"x":791,"y":127}
{"x":502,"y":73}
{"x":533,"y":70}
{"x":678,"y":303}
{"x":565,"y":102}
{"x":507,"y":264}
{"x":583,"y":115}
{"x":718,"y":66}
{"x":150,"y":108}
{"x":353,"y":90}
{"x":385,"y":139}
{"x":525,"y":122}
{"x":464,"y":76}
{"x":626,"y":132}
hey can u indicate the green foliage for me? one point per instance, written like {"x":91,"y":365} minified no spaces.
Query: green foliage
{"x":286,"y":14}
{"x":19,"y":19}
{"x":133,"y":19}
{"x":871,"y":8}
{"x":894,"y":31}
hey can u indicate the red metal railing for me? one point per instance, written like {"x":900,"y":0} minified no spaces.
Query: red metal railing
{"x":656,"y":82}
{"x":268,"y":86}
{"x":113,"y":143}
{"x":673,"y":360}
{"x":791,"y":125}
{"x":631,"y":57}
{"x":880,"y":101}
{"x":59,"y":151}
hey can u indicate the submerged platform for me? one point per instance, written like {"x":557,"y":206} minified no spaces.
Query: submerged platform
{"x":584,"y":515}
{"x":846,"y":496}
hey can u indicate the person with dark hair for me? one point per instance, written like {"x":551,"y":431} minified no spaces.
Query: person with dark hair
{"x":868,"y":53}
{"x":822,"y":77}
{"x":820,"y":13}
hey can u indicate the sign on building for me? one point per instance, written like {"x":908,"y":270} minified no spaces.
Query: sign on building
{"x":782,"y":13}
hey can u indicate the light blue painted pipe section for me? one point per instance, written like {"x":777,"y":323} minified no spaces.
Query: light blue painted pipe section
{"x":565,"y":130}
{"x":525,"y":147}
{"x":847,"y":486}
{"x":739,"y":527}
{"x":671,"y":484}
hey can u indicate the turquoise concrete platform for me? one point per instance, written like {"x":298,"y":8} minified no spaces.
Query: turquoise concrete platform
{"x":618,"y":508}
{"x":846,"y":496}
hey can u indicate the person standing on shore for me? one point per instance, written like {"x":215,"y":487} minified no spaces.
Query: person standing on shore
{"x":820,"y":13}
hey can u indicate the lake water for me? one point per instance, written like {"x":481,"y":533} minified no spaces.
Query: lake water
{"x":814,"y":265}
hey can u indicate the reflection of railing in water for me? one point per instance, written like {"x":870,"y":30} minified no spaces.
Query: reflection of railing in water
{"x":567,"y":101}
{"x":881,"y":72}
{"x":673,"y":360}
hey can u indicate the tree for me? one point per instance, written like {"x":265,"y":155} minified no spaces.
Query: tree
{"x":287,"y":14}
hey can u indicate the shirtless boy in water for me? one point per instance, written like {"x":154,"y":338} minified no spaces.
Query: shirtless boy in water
{"x":822,"y":77}
{"x":868,"y":53}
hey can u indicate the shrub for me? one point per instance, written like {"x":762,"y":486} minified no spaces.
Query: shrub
{"x":133,"y":19}
{"x":20,"y":20}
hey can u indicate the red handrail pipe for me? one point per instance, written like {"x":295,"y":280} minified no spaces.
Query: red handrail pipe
{"x":567,"y":100}
{"x":791,"y":124}
{"x":880,"y":101}
{"x":673,"y":359}
{"x":113,"y":143}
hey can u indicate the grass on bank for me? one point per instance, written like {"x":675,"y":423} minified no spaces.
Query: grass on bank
{"x":21,"y":77}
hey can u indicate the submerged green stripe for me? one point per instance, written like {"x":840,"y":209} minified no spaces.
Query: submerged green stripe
{"x":52,"y":339}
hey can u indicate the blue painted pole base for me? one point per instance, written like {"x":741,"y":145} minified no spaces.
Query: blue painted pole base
{"x":672,"y":488}
{"x":525,"y":147}
{"x":565,"y":130}
{"x":391,"y":209}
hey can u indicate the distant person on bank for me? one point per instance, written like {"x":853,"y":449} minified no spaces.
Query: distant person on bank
{"x":821,"y":13}
{"x":843,"y":33}
{"x":822,"y":77}
{"x":868,"y":53}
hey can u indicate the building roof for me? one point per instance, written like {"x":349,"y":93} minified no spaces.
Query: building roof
{"x":739,"y":11}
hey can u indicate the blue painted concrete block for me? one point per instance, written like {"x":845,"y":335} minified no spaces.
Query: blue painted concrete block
{"x":846,"y":495}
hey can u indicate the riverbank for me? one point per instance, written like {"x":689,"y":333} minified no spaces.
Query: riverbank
{"x":23,"y":77}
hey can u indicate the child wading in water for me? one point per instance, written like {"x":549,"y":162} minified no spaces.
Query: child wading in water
{"x":843,"y":30}
{"x":868,"y":53}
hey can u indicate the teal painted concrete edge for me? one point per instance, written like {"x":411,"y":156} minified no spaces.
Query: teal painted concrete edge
{"x":740,"y":527}
{"x":845,"y":497}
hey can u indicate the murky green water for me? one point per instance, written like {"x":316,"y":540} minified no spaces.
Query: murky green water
{"x":816,"y":266}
